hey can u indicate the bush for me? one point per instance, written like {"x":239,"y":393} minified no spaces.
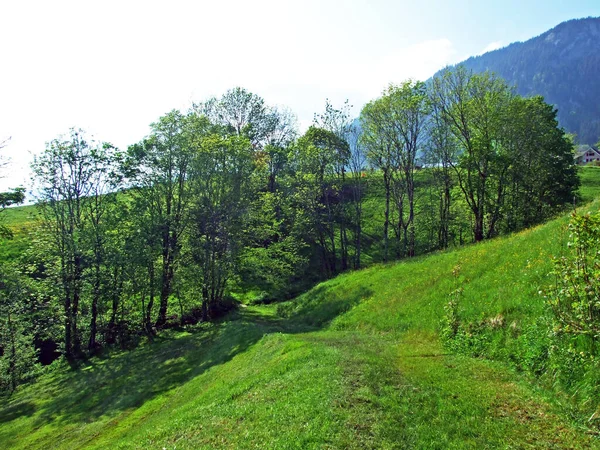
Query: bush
{"x":574,"y":299}
{"x":19,"y":363}
{"x":459,"y":336}
{"x":575,"y":296}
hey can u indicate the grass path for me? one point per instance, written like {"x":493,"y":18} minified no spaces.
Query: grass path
{"x":257,"y":381}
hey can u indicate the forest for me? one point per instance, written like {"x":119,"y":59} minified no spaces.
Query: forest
{"x":561,"y":65}
{"x":227,"y":203}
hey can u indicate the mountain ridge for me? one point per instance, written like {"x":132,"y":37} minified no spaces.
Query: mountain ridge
{"x":561,"y":64}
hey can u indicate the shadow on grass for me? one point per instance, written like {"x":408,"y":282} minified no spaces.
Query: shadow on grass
{"x":108,"y":386}
{"x":17,"y":410}
{"x":318,"y":307}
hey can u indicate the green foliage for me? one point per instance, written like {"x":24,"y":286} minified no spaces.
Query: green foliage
{"x":550,"y":173}
{"x":460,"y":336}
{"x":76,"y":178}
{"x":221,"y":205}
{"x":7,"y":199}
{"x":357,"y":364}
{"x":560,"y":65}
{"x":512,"y":163}
{"x":450,"y":326}
{"x":394,"y":128}
{"x":18,"y":359}
{"x":18,"y":364}
{"x":273,"y":254}
{"x":575,"y":298}
{"x":222,"y":199}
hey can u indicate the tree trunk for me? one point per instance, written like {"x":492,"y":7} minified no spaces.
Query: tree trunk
{"x":12,"y":365}
{"x":343,"y":247}
{"x":68,"y":326}
{"x":357,"y":244}
{"x":149,"y":330}
{"x":95,"y":297}
{"x":204,"y":304}
{"x":411,"y":219}
{"x":165,"y":289}
{"x":478,"y":232}
{"x":445,"y":216}
{"x":386,"y":222}
{"x":78,"y":272}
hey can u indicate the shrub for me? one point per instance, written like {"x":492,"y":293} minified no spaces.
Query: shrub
{"x":459,"y":335}
{"x":575,"y":295}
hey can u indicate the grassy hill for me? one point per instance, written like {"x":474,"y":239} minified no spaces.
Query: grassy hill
{"x":20,"y":220}
{"x":356,"y":362}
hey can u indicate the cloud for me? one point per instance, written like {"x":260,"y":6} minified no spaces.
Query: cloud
{"x":363,"y":78}
{"x":491,"y":47}
{"x":419,"y":61}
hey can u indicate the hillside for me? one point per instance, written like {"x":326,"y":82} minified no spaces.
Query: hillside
{"x":562,"y":65}
{"x":355,"y":362}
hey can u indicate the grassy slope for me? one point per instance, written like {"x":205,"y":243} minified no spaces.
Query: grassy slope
{"x":356,"y":364}
{"x":21,"y":220}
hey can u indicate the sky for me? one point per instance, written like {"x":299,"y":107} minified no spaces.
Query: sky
{"x":114,"y":67}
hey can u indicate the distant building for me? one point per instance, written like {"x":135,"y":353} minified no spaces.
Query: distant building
{"x":586,"y":154}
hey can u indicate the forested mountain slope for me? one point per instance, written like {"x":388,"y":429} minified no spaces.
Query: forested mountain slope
{"x":356,"y":362}
{"x":563,"y":65}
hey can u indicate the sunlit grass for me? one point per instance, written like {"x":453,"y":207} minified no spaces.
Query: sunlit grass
{"x":355,"y":362}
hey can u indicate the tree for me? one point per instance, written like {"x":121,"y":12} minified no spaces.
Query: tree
{"x":475,"y":108}
{"x":270,"y":130}
{"x":394,"y":128}
{"x":18,"y":354}
{"x":97,"y":207}
{"x":120,"y":259}
{"x":274,"y":250}
{"x":409,"y":113}
{"x":319,"y":165}
{"x":279,"y":138}
{"x":242,"y":112}
{"x":338,"y":122}
{"x":160,"y":167}
{"x":543,"y":176}
{"x":222,"y":170}
{"x":512,"y":163}
{"x":19,"y":357}
{"x":70,"y":175}
{"x":375,"y":125}
{"x":358,"y":166}
{"x":142,"y":250}
{"x":11,"y":197}
{"x":440,"y":155}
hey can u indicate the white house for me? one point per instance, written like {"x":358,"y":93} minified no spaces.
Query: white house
{"x":586,"y":154}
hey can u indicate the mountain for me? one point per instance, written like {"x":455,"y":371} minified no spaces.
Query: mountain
{"x":563,"y":65}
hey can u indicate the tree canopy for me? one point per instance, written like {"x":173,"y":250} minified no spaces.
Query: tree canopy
{"x":229,"y":202}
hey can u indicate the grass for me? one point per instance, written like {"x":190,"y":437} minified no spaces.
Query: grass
{"x":255,"y":381}
{"x":590,"y":183}
{"x":20,"y":220}
{"x":355,"y":362}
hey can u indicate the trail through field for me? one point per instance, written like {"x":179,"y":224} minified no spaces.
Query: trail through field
{"x":258,"y":380}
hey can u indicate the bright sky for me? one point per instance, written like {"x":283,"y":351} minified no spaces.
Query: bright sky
{"x":113,"y":67}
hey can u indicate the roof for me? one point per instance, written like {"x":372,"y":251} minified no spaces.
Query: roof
{"x":581,"y":150}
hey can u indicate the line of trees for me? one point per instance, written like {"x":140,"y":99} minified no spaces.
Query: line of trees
{"x":227,"y":198}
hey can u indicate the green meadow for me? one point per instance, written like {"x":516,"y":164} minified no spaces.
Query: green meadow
{"x":355,"y":362}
